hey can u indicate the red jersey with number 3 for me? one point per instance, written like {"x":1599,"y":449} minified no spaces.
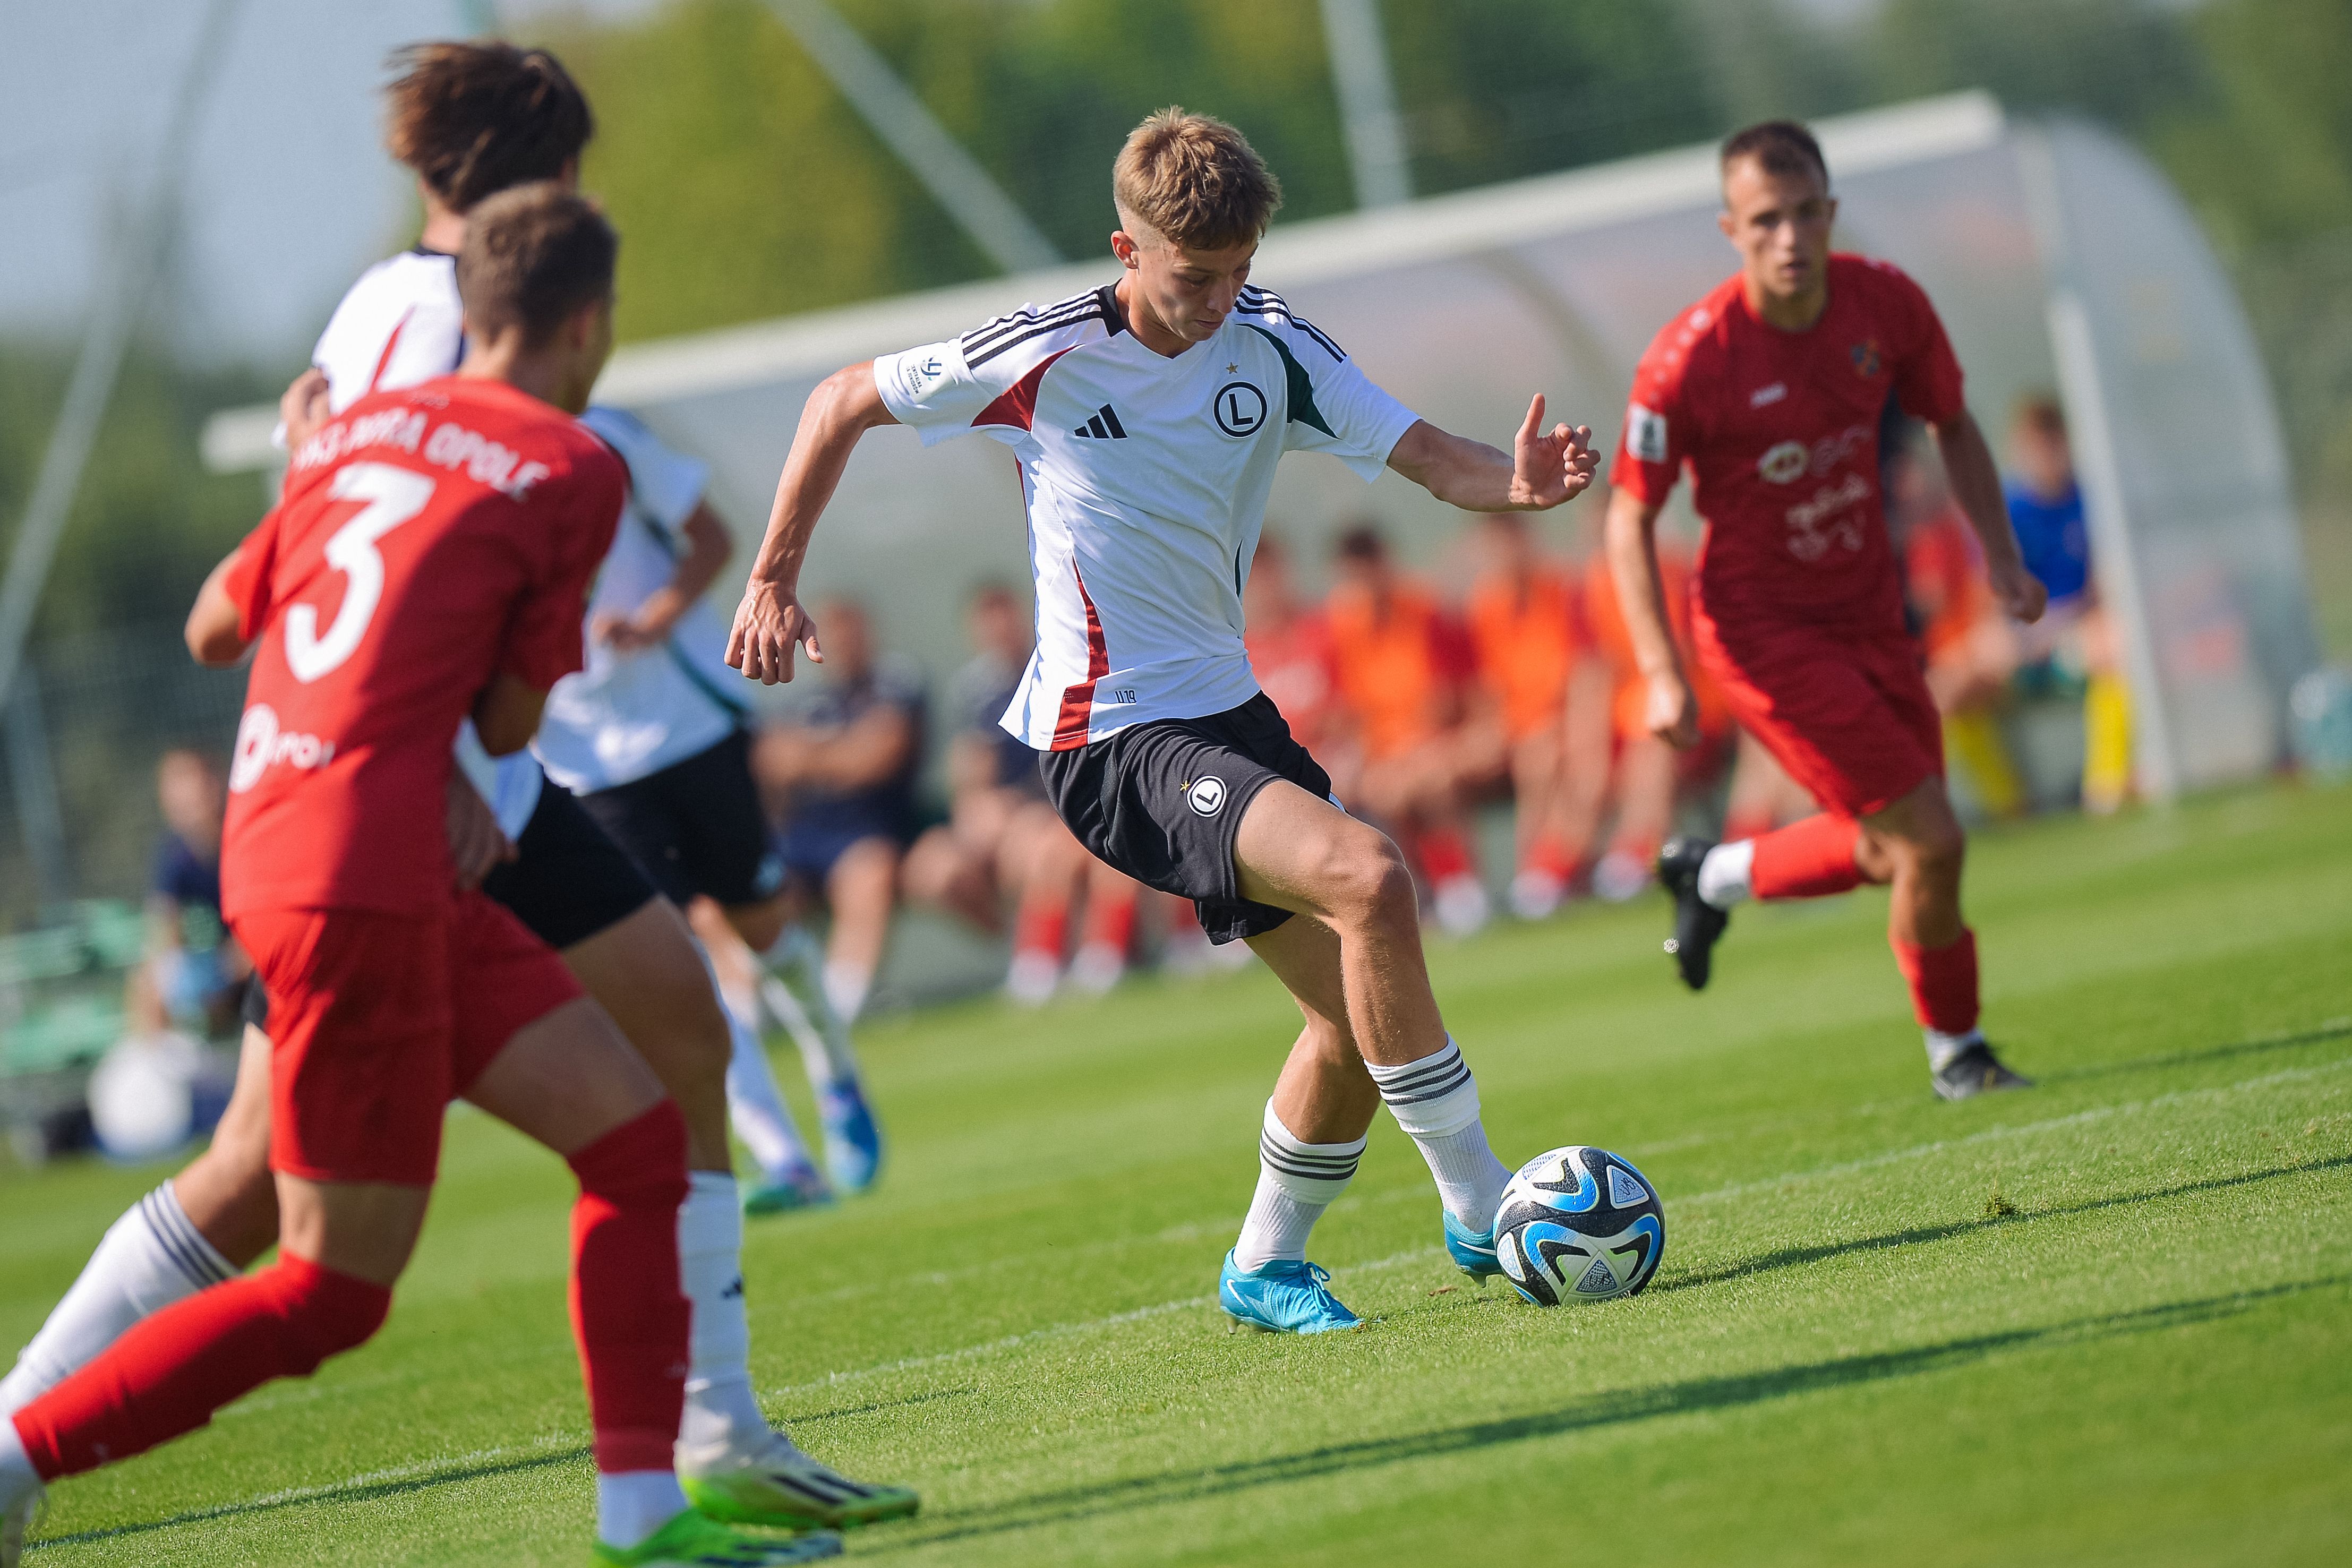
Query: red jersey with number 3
{"x":428,"y":539}
{"x":1780,"y":431}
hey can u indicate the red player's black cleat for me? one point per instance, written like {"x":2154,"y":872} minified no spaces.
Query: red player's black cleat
{"x":1698,"y":924}
{"x":1974,"y":1071}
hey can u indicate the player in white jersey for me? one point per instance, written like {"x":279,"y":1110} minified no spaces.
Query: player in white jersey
{"x":472,"y":120}
{"x":652,"y":737}
{"x":1147,"y":418}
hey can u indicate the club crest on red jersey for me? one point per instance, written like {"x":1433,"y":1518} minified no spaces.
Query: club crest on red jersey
{"x":1867,"y":363}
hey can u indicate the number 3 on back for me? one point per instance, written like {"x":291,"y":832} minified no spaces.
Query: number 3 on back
{"x":392,"y":497}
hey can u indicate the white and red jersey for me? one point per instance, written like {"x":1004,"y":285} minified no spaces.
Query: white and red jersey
{"x":1780,"y":431}
{"x":428,"y":539}
{"x":1145,"y":479}
{"x":400,"y":324}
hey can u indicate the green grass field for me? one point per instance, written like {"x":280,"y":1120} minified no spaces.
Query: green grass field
{"x":2108,"y":1321}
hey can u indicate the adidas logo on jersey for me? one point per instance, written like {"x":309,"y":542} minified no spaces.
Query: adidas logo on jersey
{"x":1103,"y":426}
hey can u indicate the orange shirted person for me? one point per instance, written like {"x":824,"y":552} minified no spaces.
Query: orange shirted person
{"x":1528,"y":638}
{"x":1647,"y":773}
{"x":1403,"y":670}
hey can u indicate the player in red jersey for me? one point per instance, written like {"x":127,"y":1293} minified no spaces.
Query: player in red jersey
{"x":1772,"y":389}
{"x":429,"y":562}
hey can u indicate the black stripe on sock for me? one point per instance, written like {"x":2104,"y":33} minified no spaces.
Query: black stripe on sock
{"x":1433,"y":1084}
{"x":190,"y":1260}
{"x":1280,"y":1160}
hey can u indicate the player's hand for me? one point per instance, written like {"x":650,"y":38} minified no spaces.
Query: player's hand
{"x":767,"y":624}
{"x":2020,"y":592}
{"x":633,"y":632}
{"x":1548,"y":468}
{"x":303,"y":407}
{"x":1672,"y":712}
{"x":477,"y":845}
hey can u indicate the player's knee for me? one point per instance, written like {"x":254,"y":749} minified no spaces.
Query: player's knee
{"x":325,"y":1312}
{"x":1365,"y":880}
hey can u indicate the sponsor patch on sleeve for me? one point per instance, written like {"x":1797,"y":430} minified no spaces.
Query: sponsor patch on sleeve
{"x":1645,"y":433}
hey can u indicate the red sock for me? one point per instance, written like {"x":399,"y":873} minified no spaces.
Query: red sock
{"x":1551,"y":855}
{"x":1808,"y":859}
{"x":1110,"y":921}
{"x":1042,"y":927}
{"x":169,"y":1373}
{"x":628,"y":1311}
{"x":1943,"y":982}
{"x":1445,"y":855}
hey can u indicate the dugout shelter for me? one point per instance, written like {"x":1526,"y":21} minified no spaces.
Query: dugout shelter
{"x":2057,"y":255}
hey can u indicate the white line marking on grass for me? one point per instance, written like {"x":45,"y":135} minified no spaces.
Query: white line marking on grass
{"x":1717,"y":1194}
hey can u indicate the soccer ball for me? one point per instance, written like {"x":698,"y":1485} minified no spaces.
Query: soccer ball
{"x":1579,"y":1225}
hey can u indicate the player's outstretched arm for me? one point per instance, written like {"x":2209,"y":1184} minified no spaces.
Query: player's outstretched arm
{"x":770,"y":621}
{"x":1976,"y":484}
{"x":1542,"y":469}
{"x":1630,"y":538}
{"x":213,"y":628}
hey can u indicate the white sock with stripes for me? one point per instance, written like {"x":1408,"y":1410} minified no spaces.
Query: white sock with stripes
{"x":1296,"y":1183}
{"x":150,"y":1258}
{"x":1436,"y":1101}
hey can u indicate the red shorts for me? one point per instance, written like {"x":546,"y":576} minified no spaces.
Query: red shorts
{"x":377,"y":1022}
{"x":1846,"y":712}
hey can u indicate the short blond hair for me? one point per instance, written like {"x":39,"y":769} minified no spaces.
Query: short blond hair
{"x":1195,"y":181}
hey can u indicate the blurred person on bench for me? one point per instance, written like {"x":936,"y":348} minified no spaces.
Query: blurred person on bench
{"x":1001,"y":843}
{"x":1404,"y":672}
{"x":1529,"y":642}
{"x":193,"y":988}
{"x":1968,"y":645}
{"x":1649,"y":777}
{"x":2073,"y":643}
{"x":840,"y":776}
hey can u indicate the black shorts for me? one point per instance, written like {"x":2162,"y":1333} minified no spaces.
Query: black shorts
{"x":696,"y":826}
{"x":1161,"y":801}
{"x":567,"y":882}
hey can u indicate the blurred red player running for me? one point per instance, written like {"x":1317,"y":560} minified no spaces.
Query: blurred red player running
{"x":1773,"y":388}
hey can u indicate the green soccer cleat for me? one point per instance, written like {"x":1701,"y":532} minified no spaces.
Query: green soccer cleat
{"x":802,"y":1187}
{"x":692,"y":1540}
{"x":1473,"y":1251}
{"x":777,"y":1485}
{"x":1281,"y":1297}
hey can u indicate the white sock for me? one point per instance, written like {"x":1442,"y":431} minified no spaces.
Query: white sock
{"x":756,"y":1106}
{"x":720,"y":1411}
{"x":846,"y":987}
{"x":17,"y":1475}
{"x":150,"y":1258}
{"x":632,"y":1504}
{"x":1436,"y":1101}
{"x":825,"y":1055}
{"x":1942,"y":1047}
{"x":1723,"y":874}
{"x":1296,"y":1183}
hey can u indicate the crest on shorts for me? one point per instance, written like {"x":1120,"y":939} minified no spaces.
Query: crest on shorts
{"x":1205,"y":796}
{"x":1866,"y":360}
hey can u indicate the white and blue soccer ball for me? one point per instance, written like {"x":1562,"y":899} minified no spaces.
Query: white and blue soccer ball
{"x":1579,"y":1225}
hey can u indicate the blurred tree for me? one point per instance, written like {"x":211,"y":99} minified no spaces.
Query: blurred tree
{"x":149,"y":522}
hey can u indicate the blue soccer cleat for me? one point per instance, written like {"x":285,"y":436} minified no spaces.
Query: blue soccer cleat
{"x":797,"y":1187}
{"x":853,"y":1144}
{"x":1281,"y":1297}
{"x":1473,"y":1251}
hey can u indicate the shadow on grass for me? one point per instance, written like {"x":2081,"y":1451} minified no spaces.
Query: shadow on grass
{"x":2334,"y":1028}
{"x":1797,"y":1257}
{"x":1601,"y":1410}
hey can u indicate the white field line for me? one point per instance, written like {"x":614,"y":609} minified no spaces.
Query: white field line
{"x":1716,"y":1195}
